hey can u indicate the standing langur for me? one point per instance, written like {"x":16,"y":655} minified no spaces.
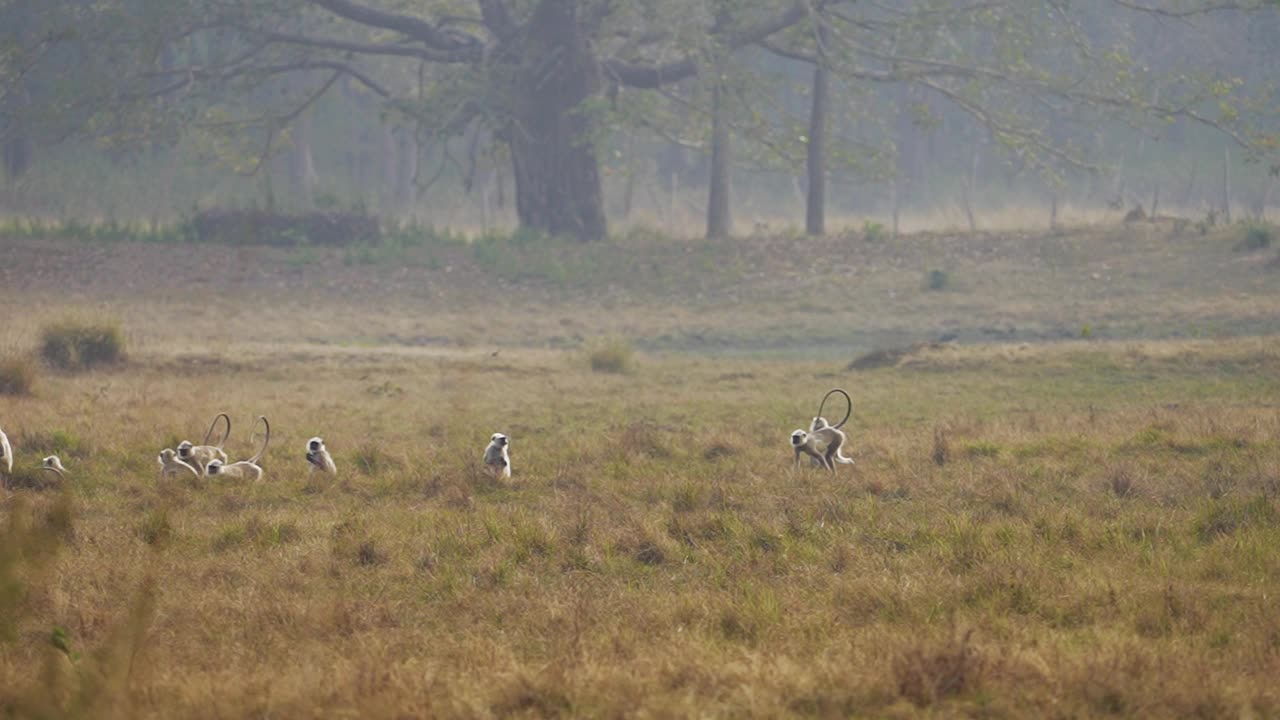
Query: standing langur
{"x":245,"y":469}
{"x":199,"y":456}
{"x":831,"y":436}
{"x":171,"y":465}
{"x":497,"y":459}
{"x":319,"y":457}
{"x":803,"y":442}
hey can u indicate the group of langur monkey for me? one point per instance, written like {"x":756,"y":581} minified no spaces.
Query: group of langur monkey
{"x":208,"y":459}
{"x":822,"y":442}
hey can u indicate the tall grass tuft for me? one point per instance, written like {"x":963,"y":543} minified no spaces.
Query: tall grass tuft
{"x":75,"y":344}
{"x":17,"y":375}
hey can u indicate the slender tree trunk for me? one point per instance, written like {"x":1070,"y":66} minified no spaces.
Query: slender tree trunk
{"x":970,"y":189}
{"x":556,"y":169}
{"x":302,"y":168}
{"x":718,"y":219}
{"x":406,"y":170}
{"x":1226,"y":185}
{"x":815,"y":215}
{"x":629,"y":191}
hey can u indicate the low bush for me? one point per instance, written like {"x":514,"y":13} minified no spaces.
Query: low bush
{"x":263,"y":227}
{"x":82,"y":345}
{"x":1257,"y":236}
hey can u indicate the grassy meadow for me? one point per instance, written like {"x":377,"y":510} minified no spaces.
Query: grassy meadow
{"x":1072,"y":512}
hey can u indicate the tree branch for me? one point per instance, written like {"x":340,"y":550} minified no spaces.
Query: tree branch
{"x":467,"y":48}
{"x":651,"y":76}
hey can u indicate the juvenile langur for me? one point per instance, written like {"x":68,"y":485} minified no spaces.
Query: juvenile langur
{"x":803,"y":442}
{"x":831,"y":436}
{"x":319,"y":457}
{"x":245,"y":469}
{"x":54,"y":465}
{"x":170,"y":465}
{"x":199,"y":456}
{"x":497,"y":459}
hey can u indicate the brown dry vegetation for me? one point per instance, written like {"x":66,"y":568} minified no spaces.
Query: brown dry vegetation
{"x":1080,"y":528}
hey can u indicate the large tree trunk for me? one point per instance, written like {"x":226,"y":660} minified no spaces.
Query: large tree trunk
{"x":815,"y":215}
{"x":556,"y":169}
{"x":719,"y":221}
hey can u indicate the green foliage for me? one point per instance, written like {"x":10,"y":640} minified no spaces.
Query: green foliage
{"x":873,"y":232}
{"x":1257,"y":236}
{"x":611,"y":355}
{"x":17,"y":375}
{"x":936,"y":280}
{"x":75,"y":344}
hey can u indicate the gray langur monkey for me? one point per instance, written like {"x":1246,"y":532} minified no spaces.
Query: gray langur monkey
{"x":803,"y":442}
{"x":497,"y":458}
{"x":319,"y":457}
{"x":245,"y":469}
{"x":199,"y":456}
{"x":831,"y":436}
{"x":171,"y":465}
{"x":53,"y":465}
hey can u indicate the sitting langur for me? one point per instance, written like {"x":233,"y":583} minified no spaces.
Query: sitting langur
{"x":171,"y":465}
{"x":497,"y":459}
{"x":319,"y":457}
{"x":245,"y":469}
{"x":54,"y":465}
{"x":199,"y":456}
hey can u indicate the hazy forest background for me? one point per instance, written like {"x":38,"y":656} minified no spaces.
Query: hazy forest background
{"x":727,"y":116}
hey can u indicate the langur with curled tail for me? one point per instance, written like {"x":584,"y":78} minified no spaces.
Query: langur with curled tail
{"x":199,"y":456}
{"x":245,"y":469}
{"x":831,"y":436}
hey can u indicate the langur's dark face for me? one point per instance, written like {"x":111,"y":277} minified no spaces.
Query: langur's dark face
{"x":314,"y":445}
{"x":798,"y":438}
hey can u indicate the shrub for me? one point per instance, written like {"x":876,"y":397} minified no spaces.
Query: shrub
{"x":936,"y":280}
{"x":17,"y":375}
{"x":611,"y":356}
{"x":872,"y":231}
{"x":263,"y":227}
{"x":82,"y":345}
{"x":1257,"y":236}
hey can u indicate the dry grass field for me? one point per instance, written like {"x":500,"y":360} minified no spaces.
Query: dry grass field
{"x":1039,"y":524}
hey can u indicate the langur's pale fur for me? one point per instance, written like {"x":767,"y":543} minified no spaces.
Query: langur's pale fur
{"x":54,"y":465}
{"x":245,"y":469}
{"x":497,"y":458}
{"x":319,"y":458}
{"x":803,"y":442}
{"x":171,"y":465}
{"x":199,"y":456}
{"x":6,"y":458}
